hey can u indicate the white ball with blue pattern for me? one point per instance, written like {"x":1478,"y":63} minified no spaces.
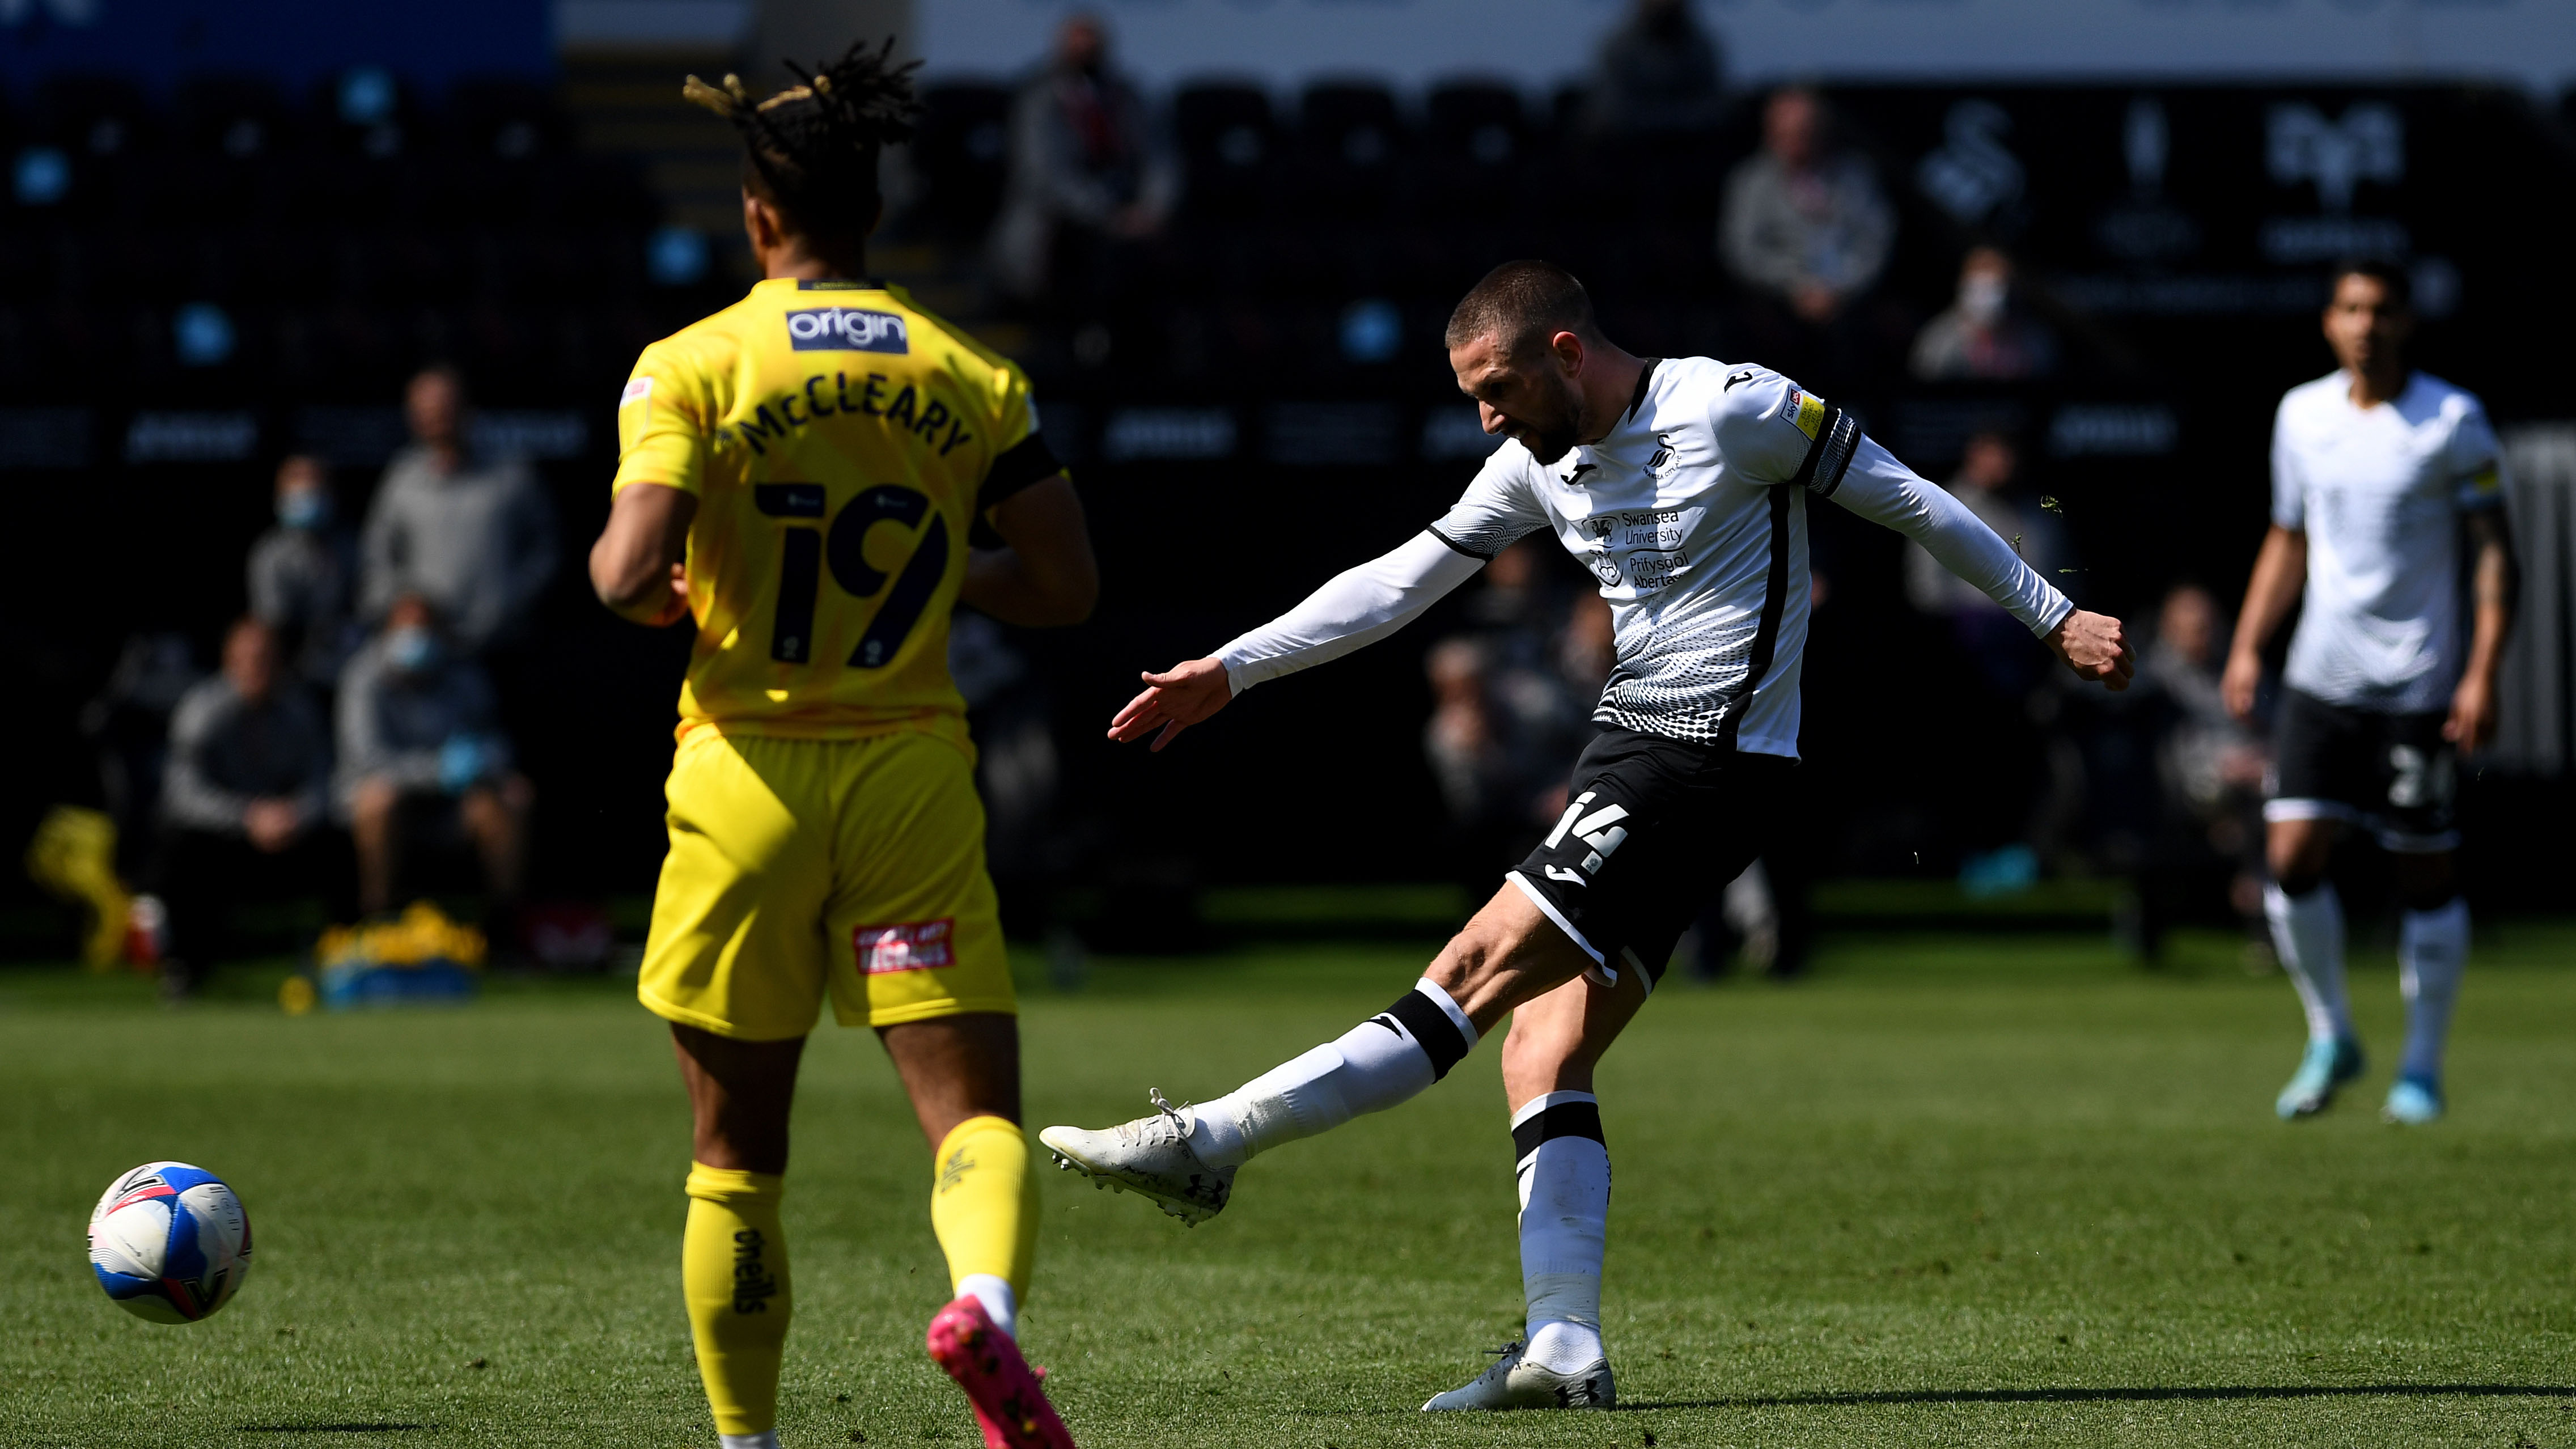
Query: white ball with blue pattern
{"x":169,"y":1242}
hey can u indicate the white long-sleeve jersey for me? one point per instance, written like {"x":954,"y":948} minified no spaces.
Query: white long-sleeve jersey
{"x":1692,"y":514}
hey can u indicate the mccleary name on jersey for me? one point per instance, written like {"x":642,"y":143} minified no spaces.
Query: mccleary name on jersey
{"x":1691,"y":512}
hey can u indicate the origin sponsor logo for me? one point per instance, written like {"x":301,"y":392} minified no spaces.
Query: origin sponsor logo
{"x":846,"y":329}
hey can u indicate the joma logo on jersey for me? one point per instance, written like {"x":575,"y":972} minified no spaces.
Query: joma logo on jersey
{"x":846,"y":329}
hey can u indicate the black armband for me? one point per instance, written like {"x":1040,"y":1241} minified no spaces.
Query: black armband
{"x":1837,"y":438}
{"x":1026,"y":462}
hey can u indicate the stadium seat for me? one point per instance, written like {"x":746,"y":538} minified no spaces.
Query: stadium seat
{"x":366,"y":111}
{"x":504,"y":118}
{"x":1479,"y":122}
{"x":962,"y":153}
{"x":233,"y":137}
{"x":1228,"y":144}
{"x":235,"y":117}
{"x":1352,"y":148}
{"x":100,"y":116}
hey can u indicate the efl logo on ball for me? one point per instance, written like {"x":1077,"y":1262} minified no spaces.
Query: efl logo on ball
{"x":846,"y":329}
{"x":169,"y":1242}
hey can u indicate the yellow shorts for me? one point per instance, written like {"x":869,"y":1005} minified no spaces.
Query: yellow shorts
{"x":800,"y":866}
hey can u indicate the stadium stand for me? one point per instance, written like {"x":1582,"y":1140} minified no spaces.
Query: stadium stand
{"x":192,"y":285}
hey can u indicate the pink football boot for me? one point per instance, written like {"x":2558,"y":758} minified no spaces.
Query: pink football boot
{"x":1000,"y":1384}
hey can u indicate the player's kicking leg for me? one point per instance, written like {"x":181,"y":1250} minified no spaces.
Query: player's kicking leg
{"x":1563,"y":1166}
{"x":1184,"y":1158}
{"x":1655,"y":824}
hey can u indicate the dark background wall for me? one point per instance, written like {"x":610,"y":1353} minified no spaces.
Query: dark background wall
{"x":1232,"y":449}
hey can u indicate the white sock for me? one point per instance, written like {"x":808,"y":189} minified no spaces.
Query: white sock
{"x":1376,"y":1064}
{"x":996,"y":1296}
{"x":2308,"y":932}
{"x":2432,"y":954}
{"x":1564,"y":1172}
{"x":765,"y":1439}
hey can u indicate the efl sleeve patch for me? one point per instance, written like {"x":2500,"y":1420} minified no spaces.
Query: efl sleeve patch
{"x":913,"y":946}
{"x":1810,"y":416}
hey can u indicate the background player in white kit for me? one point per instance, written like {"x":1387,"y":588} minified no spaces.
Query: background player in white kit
{"x":2379,"y":474}
{"x":1682,"y":485}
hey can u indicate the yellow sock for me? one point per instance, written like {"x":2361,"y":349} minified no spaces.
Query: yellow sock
{"x":733,"y":1271}
{"x":984,"y":1207}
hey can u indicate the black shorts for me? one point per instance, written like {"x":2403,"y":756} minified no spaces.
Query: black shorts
{"x":1655,"y":830}
{"x":2392,"y":773}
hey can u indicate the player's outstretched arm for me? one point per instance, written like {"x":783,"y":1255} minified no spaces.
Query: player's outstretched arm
{"x":1044,"y":575}
{"x":1358,"y":606}
{"x":2280,"y":575}
{"x":1886,"y":492}
{"x":1191,"y":691}
{"x":2096,"y":647}
{"x":635,"y":567}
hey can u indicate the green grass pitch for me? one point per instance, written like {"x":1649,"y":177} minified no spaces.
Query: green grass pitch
{"x":1953,"y":1191}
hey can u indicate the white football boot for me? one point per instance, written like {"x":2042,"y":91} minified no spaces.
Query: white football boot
{"x":1150,"y":1156}
{"x":1513,"y":1384}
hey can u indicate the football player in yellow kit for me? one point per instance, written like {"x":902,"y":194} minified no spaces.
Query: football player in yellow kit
{"x":801,"y":475}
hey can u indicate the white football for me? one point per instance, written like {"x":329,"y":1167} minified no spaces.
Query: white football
{"x":169,"y":1242}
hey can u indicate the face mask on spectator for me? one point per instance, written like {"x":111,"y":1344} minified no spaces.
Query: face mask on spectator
{"x":411,"y":649}
{"x":304,"y":508}
{"x":1982,"y":298}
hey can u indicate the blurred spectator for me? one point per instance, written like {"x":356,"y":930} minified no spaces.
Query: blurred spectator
{"x":128,"y":728}
{"x":1499,"y":741}
{"x":1587,"y":649}
{"x":422,"y":758}
{"x":2006,"y":654}
{"x":2008,"y":782}
{"x":2210,"y":769}
{"x":1985,"y":334}
{"x":1658,"y":71}
{"x":1805,"y":221}
{"x":245,"y":802}
{"x":304,"y":575}
{"x":1017,"y":768}
{"x":1518,"y":611}
{"x":1087,"y":167}
{"x":473,"y":535}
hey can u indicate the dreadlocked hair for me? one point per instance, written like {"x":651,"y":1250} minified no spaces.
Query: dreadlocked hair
{"x":812,"y":148}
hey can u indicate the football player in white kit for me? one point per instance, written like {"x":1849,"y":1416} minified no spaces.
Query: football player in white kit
{"x":1682,"y":485}
{"x":2379,"y":474}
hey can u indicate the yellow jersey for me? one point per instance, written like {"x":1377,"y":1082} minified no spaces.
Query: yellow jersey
{"x":841,"y":443}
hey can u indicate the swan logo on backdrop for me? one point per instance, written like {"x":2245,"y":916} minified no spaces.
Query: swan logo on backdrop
{"x":846,"y":329}
{"x":2300,"y":145}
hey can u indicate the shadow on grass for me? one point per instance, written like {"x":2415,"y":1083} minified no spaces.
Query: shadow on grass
{"x":2116,"y":1395}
